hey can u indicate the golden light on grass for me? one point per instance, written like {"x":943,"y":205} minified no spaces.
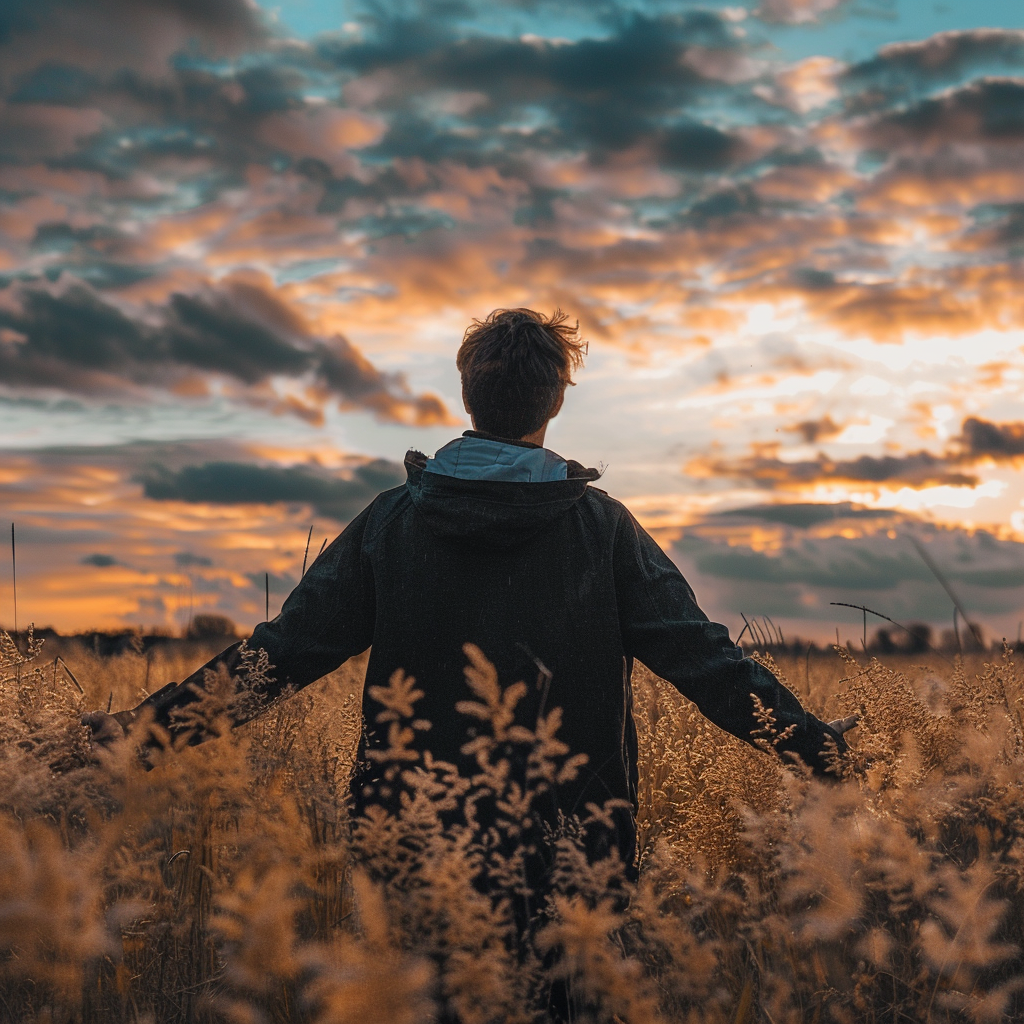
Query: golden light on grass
{"x":227,"y":884}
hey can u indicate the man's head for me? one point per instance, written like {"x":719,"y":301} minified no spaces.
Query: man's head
{"x":515,"y":366}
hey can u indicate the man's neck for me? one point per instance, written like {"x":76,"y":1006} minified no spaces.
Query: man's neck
{"x":534,"y":440}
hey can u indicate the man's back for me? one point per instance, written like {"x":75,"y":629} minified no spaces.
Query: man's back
{"x":525,"y":571}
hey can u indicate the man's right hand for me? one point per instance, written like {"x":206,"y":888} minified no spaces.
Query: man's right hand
{"x":107,"y":729}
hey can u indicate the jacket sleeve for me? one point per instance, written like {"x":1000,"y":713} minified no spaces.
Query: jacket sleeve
{"x":664,"y":628}
{"x":327,"y":619}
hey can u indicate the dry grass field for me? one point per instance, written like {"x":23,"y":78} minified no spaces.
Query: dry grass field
{"x":221,"y":885}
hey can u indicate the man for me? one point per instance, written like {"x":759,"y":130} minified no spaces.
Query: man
{"x":499,"y":542}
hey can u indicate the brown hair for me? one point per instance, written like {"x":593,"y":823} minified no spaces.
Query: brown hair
{"x":515,"y":364}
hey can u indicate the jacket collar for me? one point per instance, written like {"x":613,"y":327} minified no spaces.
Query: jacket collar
{"x":416,"y":461}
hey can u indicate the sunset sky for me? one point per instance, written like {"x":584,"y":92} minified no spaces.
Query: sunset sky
{"x":239,"y":245}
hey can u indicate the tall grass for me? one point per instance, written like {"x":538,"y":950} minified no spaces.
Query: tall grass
{"x":227,"y":884}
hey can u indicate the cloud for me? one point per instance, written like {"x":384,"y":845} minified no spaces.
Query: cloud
{"x":917,"y":469}
{"x":34,"y":131}
{"x":277,"y":584}
{"x":789,"y":561}
{"x":630,"y":88}
{"x":230,"y":483}
{"x":908,"y":70}
{"x":784,"y":560}
{"x":1001,"y":442}
{"x":804,"y":86}
{"x":817,"y":430}
{"x":133,"y":33}
{"x":856,"y":568}
{"x":978,"y":441}
{"x":100,"y":561}
{"x":375,"y":160}
{"x":989,"y":111}
{"x":801,"y":514}
{"x":797,"y":12}
{"x":76,"y":505}
{"x":604,"y":95}
{"x":187,"y":559}
{"x":73,"y":338}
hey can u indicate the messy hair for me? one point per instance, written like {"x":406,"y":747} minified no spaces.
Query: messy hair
{"x":515,"y":364}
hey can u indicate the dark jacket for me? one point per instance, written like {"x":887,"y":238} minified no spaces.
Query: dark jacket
{"x":555,"y":572}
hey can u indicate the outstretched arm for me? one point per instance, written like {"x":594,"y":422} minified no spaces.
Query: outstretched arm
{"x":664,"y":628}
{"x":326,"y":619}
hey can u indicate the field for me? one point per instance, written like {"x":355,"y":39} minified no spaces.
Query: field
{"x":221,"y":885}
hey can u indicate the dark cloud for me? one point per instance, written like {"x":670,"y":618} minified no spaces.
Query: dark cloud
{"x":135,"y":456}
{"x":239,"y":483}
{"x":800,"y":514}
{"x":124,"y":122}
{"x":698,"y":147}
{"x":277,"y":584}
{"x":74,"y":339}
{"x":979,"y":440}
{"x":860,"y":559}
{"x":1007,"y":578}
{"x":848,"y":565}
{"x":98,"y":255}
{"x":990,"y":110}
{"x":917,"y":469}
{"x":57,"y":334}
{"x":632,"y":87}
{"x":186,"y":559}
{"x":126,"y":30}
{"x":1009,"y":218}
{"x":998,"y":441}
{"x":100,"y":561}
{"x":908,"y":70}
{"x":840,"y":565}
{"x":816,"y":430}
{"x":228,"y":331}
{"x":727,"y":202}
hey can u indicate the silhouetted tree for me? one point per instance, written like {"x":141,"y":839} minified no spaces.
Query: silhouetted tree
{"x":210,"y":627}
{"x":919,"y":637}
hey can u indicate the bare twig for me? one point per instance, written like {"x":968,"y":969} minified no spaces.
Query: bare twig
{"x":746,"y":627}
{"x":305,"y":553}
{"x":67,"y":671}
{"x":762,"y":633}
{"x":14,"y":578}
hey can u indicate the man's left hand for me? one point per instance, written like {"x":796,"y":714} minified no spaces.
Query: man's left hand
{"x":841,"y":725}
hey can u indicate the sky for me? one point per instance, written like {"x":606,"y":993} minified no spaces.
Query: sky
{"x":239,"y":246}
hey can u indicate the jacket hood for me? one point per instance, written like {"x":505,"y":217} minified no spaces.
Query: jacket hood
{"x":491,"y":512}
